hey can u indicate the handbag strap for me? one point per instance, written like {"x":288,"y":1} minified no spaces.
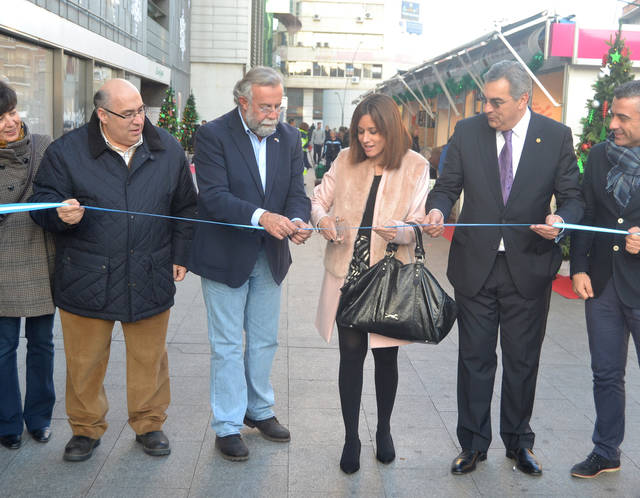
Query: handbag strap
{"x":419,"y":245}
{"x":419,"y":252}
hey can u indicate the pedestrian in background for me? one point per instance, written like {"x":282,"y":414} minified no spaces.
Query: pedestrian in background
{"x":378,"y":181}
{"x":304,"y":140}
{"x":605,"y":270}
{"x":111,"y":266}
{"x":26,"y":263}
{"x":332,"y":146}
{"x":317,"y":139}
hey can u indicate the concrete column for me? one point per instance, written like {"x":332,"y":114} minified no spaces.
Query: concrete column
{"x":58,"y":92}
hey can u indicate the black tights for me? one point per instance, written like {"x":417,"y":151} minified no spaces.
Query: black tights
{"x":353,"y":350}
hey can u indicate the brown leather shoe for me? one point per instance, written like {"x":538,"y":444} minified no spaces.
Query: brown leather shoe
{"x":232,"y":448}
{"x":270,"y":429}
{"x":525,"y":461}
{"x":466,"y":461}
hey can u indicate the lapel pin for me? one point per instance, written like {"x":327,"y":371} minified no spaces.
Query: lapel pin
{"x":538,"y":140}
{"x":276,"y":139}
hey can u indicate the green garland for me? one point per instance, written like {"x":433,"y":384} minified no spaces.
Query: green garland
{"x":461,"y":86}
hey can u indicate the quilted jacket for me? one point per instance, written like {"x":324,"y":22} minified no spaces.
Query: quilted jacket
{"x":116,"y":266}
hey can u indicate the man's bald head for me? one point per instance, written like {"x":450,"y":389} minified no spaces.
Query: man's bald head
{"x":117,"y":86}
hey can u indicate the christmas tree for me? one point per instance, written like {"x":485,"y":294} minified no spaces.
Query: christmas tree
{"x":168,"y":119}
{"x":189,"y":121}
{"x":616,"y":70}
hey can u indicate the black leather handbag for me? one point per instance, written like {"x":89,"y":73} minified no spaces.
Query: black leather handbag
{"x":397,"y":300}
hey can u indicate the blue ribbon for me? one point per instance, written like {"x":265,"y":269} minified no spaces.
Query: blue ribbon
{"x":30,"y":206}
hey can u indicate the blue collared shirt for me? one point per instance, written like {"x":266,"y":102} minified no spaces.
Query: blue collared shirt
{"x":260,"y":152}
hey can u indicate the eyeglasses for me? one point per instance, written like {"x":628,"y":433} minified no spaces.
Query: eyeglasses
{"x":496,"y":103}
{"x":129,"y":115}
{"x":268,"y":109}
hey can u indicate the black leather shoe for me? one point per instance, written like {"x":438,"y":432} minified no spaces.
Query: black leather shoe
{"x":594,"y":465}
{"x":232,"y":448}
{"x":12,"y":441}
{"x":154,"y":443}
{"x":80,"y":448}
{"x":525,"y":461}
{"x":41,"y":435}
{"x":270,"y":429}
{"x":466,"y":461}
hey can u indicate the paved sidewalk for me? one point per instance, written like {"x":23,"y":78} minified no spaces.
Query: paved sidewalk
{"x":305,"y":380}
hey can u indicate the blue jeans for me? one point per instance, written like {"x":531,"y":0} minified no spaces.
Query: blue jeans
{"x":609,"y":323}
{"x":240,"y":380}
{"x":40,"y":396}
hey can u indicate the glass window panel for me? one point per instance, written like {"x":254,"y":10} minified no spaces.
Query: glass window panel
{"x":376,"y":71}
{"x":28,"y":69}
{"x":75,"y":89}
{"x":100,"y":75}
{"x":317,"y":104}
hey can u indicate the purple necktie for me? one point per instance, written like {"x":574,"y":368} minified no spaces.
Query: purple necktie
{"x":506,"y":170}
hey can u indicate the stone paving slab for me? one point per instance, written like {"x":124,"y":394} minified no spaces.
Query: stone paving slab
{"x":305,"y":381}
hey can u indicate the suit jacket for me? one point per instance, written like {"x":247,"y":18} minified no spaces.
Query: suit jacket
{"x":602,"y":255}
{"x":547,"y":167}
{"x":230,"y":190}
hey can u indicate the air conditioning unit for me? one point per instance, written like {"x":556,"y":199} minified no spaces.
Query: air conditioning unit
{"x":318,"y":44}
{"x":316,"y":17}
{"x":359,"y":20}
{"x":326,"y":44}
{"x":367,"y":15}
{"x":355,"y":79}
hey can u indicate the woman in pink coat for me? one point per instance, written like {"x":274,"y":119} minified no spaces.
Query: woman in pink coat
{"x":377,"y":182}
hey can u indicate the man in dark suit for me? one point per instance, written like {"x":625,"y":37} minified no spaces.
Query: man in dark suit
{"x":510,"y":162}
{"x":605,"y":270}
{"x":249,"y":172}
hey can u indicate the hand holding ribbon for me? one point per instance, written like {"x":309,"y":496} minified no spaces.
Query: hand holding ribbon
{"x":633,"y":241}
{"x":548,"y":231}
{"x":72,"y":213}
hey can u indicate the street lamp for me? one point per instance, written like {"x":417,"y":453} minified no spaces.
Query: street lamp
{"x":341,"y":100}
{"x":346,"y":81}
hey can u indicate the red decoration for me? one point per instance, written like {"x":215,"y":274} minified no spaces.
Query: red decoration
{"x":586,"y":146}
{"x":605,"y":108}
{"x":605,"y":58}
{"x":625,"y":52}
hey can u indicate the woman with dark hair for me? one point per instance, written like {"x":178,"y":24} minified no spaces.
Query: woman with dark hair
{"x":378,"y":182}
{"x":26,"y":262}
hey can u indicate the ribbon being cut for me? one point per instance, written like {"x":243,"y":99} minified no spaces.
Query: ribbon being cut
{"x":30,"y":206}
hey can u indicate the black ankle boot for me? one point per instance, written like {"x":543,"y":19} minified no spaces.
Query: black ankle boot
{"x":350,"y":461}
{"x":385,"y":452}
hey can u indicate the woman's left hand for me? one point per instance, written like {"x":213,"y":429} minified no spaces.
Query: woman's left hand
{"x":387,"y":234}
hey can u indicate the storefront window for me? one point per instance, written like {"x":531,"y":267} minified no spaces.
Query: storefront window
{"x":75,"y":89}
{"x":28,"y":69}
{"x":100,"y":75}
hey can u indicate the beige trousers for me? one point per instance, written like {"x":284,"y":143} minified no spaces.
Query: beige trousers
{"x":87,"y":343}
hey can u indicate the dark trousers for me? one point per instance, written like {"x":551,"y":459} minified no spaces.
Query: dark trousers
{"x":317,"y":153}
{"x":522,"y":325}
{"x":40,"y":396}
{"x":609,"y":323}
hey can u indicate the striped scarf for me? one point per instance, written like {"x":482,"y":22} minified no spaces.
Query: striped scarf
{"x":623,"y":178}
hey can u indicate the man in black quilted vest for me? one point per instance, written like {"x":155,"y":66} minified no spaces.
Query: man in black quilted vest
{"x":114,"y":266}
